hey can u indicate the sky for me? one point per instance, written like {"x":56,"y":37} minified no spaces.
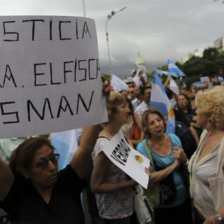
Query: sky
{"x":158,"y":29}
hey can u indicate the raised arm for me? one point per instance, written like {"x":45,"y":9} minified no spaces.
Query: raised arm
{"x":6,"y":179}
{"x":81,"y":159}
{"x":165,"y":84}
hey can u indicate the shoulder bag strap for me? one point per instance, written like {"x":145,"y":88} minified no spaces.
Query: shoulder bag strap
{"x":101,"y":136}
{"x":149,"y":154}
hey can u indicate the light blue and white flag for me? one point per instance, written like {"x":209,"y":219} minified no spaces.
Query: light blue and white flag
{"x":161,"y":72}
{"x":65,"y":143}
{"x":198,"y":83}
{"x":173,"y":69}
{"x":174,"y":87}
{"x":160,"y":101}
{"x":220,"y":79}
{"x":117,"y":83}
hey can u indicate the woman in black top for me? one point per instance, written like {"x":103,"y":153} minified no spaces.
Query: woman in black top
{"x":33,"y":191}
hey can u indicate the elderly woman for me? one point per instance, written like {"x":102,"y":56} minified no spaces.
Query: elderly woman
{"x":202,"y":165}
{"x":33,"y":191}
{"x":164,"y":152}
{"x":112,"y":187}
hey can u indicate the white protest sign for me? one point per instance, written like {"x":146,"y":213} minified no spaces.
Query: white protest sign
{"x":49,"y":75}
{"x":205,"y":78}
{"x":127,"y":159}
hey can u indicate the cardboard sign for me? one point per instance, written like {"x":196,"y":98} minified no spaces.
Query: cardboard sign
{"x":49,"y":75}
{"x":205,"y":78}
{"x":127,"y":159}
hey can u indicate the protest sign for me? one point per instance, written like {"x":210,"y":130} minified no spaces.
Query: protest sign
{"x":205,"y":78}
{"x":127,"y":159}
{"x":49,"y":75}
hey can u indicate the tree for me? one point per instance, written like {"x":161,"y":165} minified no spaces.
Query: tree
{"x":210,"y":53}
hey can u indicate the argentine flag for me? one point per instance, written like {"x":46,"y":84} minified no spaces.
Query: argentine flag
{"x":173,"y":69}
{"x":65,"y":143}
{"x":161,"y":102}
{"x":161,"y":72}
{"x":117,"y":83}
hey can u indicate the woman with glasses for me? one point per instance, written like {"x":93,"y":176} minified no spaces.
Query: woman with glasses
{"x":33,"y":191}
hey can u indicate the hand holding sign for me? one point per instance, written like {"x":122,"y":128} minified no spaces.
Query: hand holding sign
{"x":128,"y":159}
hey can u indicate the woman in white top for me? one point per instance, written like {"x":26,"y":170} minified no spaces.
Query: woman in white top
{"x":202,"y":165}
{"x":112,"y":187}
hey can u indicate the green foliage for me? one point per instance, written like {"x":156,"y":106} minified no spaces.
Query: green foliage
{"x":164,"y":68}
{"x":190,"y":79}
{"x":210,"y":64}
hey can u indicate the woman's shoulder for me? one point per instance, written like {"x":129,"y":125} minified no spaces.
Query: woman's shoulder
{"x":99,"y":146}
{"x":141,"y":147}
{"x":174,"y":138}
{"x":142,"y":143}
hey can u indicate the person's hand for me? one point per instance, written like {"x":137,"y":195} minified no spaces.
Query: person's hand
{"x":211,"y":220}
{"x":132,"y":182}
{"x":147,"y":170}
{"x":176,"y":163}
{"x":106,"y":87}
{"x":179,"y":154}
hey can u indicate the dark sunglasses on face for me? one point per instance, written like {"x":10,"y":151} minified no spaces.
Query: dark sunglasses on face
{"x":43,"y":163}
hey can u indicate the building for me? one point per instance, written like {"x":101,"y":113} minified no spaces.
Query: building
{"x":197,"y":52}
{"x":219,"y":44}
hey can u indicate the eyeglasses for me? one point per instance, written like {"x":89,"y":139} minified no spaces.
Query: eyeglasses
{"x":131,"y":92}
{"x":43,"y":163}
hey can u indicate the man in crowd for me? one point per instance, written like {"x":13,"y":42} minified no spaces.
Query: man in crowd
{"x":146,"y":94}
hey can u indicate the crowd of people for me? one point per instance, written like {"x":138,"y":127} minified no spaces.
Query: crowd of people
{"x":181,"y":171}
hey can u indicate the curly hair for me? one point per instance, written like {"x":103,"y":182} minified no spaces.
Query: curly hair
{"x":115,"y":99}
{"x":211,"y":102}
{"x":145,"y":120}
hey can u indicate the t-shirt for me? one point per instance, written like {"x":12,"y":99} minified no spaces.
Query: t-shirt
{"x":25,"y":205}
{"x":141,"y":109}
{"x":117,"y":204}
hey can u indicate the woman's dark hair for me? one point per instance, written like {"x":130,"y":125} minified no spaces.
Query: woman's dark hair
{"x":188,"y":100}
{"x":131,"y":108}
{"x":145,"y":120}
{"x":169,"y":93}
{"x":143,"y":88}
{"x":23,"y":156}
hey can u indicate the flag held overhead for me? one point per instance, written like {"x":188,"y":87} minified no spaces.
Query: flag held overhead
{"x":161,"y":102}
{"x":173,"y":69}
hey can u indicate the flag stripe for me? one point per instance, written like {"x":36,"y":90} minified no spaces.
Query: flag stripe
{"x":160,"y":101}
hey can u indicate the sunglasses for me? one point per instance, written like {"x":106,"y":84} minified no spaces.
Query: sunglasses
{"x":43,"y":163}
